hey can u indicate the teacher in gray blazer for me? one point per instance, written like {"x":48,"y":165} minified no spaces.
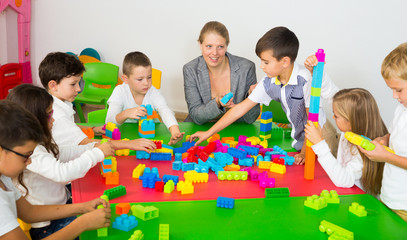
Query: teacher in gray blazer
{"x":214,"y":74}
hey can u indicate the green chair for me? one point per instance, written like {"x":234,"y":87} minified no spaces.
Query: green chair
{"x":98,"y":116}
{"x":100,"y":79}
{"x":278,"y":112}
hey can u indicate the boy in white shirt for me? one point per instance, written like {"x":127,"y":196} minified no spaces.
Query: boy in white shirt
{"x":126,"y":99}
{"x":60,"y":74}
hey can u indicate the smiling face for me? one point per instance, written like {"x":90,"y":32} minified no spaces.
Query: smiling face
{"x":213,"y":48}
{"x":399,"y":88}
{"x":140,"y":80}
{"x":67,"y":89}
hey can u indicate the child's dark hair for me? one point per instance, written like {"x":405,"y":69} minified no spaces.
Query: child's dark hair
{"x":36,"y":100}
{"x":17,"y":127}
{"x":59,"y":65}
{"x":281,"y":41}
{"x":134,"y":59}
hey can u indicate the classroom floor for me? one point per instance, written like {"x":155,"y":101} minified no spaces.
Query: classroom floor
{"x":180,"y":116}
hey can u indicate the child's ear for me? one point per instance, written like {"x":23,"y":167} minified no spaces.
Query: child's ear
{"x":286,"y":61}
{"x":52,"y":85}
{"x":125,"y":78}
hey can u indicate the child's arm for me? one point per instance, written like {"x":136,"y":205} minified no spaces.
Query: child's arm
{"x":91,"y":218}
{"x":132,"y":113}
{"x":232,"y":115}
{"x":176,"y":135}
{"x":140,"y":144}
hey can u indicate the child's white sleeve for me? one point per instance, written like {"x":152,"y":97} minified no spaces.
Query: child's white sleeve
{"x":46,"y":165}
{"x":8,"y":208}
{"x":328,"y":88}
{"x":259,"y":94}
{"x":159,"y":103}
{"x":115,"y":105}
{"x":342,"y":175}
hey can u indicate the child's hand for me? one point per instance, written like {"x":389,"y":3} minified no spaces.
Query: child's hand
{"x":312,"y":133}
{"x":107,"y":148}
{"x":176,"y":135}
{"x":142,"y":144}
{"x":229,"y":104}
{"x":379,"y":154}
{"x":383,"y":140}
{"x":97,"y":218}
{"x":99,"y":130}
{"x":92,"y":205}
{"x":202,"y":136}
{"x":136,"y":113}
{"x":310,"y":63}
{"x":299,"y":158}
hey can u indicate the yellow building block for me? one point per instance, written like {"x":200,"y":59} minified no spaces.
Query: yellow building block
{"x":277,"y":168}
{"x":138,"y":171}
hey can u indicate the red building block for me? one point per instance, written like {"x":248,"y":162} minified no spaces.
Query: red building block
{"x":159,"y":186}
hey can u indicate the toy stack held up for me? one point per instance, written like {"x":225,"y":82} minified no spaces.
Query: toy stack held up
{"x":146,"y":124}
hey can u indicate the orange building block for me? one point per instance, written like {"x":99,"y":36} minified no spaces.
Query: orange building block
{"x":89,"y":132}
{"x":112,"y":178}
{"x":309,"y":167}
{"x":122,"y":208}
{"x":214,"y":137}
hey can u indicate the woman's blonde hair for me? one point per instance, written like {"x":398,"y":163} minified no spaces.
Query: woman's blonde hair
{"x":214,"y":27}
{"x":358,"y":106}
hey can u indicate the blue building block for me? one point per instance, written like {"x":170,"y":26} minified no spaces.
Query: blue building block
{"x":149,"y":179}
{"x":187,"y":166}
{"x":167,"y":177}
{"x":108,"y":133}
{"x":216,"y":169}
{"x":288,"y":160}
{"x":180,"y":150}
{"x":266,"y":115}
{"x":223,"y":159}
{"x":178,"y":157}
{"x":147,"y":125}
{"x":226,"y":98}
{"x":188,"y":145}
{"x":125,"y":222}
{"x":225,"y":202}
{"x":201,"y":168}
{"x":146,"y":135}
{"x":176,"y":165}
{"x":237,"y":153}
{"x":314,"y":104}
{"x":248,"y":162}
{"x":149,"y":109}
{"x":105,"y":170}
{"x":266,"y":127}
{"x":142,"y":155}
{"x":166,"y":146}
{"x":160,"y":156}
{"x":155,"y":171}
{"x":250,"y":150}
{"x":107,"y":161}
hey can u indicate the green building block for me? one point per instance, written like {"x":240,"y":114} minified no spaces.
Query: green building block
{"x":315,"y":202}
{"x":144,"y":213}
{"x":164,"y":232}
{"x":232,"y":175}
{"x":335,"y":232}
{"x":169,"y":186}
{"x":330,"y":196}
{"x":276,"y":192}
{"x":137,"y":235}
{"x":102,"y":232}
{"x":358,"y":210}
{"x":115,"y":192}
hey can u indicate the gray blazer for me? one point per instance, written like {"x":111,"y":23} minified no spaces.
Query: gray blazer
{"x":197,"y":89}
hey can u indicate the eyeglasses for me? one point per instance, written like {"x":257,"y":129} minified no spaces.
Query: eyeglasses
{"x":50,"y":115}
{"x":26,"y":157}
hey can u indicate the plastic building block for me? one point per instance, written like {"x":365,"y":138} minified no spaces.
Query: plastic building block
{"x":335,"y":232}
{"x":145,"y":213}
{"x":276,"y":192}
{"x":265,"y":181}
{"x":363,"y":141}
{"x":147,"y":125}
{"x":175,"y":179}
{"x":315,"y":202}
{"x":149,"y":179}
{"x":232,"y":175}
{"x":185,"y":187}
{"x":149,"y":109}
{"x":122,"y":208}
{"x":266,"y":115}
{"x":330,"y":196}
{"x":158,"y":143}
{"x":278,"y":168}
{"x":164,"y":232}
{"x":154,"y":156}
{"x":226,"y":98}
{"x":125,"y":222}
{"x":288,"y":160}
{"x":237,"y":153}
{"x":250,"y":150}
{"x":232,"y":167}
{"x":177,"y":165}
{"x":249,"y":162}
{"x":159,"y":186}
{"x":112,"y":178}
{"x":142,"y":155}
{"x":178,"y":157}
{"x":89,"y":132}
{"x":187,"y":166}
{"x":358,"y":210}
{"x":169,"y":186}
{"x":115,"y":192}
{"x":195,"y":177}
{"x":264,"y":164}
{"x":137,"y":235}
{"x":122,"y":152}
{"x":138,"y":171}
{"x":102,"y":232}
{"x":225,"y":202}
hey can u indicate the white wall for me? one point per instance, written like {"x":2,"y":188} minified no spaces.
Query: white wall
{"x":356,"y":35}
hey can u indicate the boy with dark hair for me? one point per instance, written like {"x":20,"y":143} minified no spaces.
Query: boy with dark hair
{"x":286,"y":82}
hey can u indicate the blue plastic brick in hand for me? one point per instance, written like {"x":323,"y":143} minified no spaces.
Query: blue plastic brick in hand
{"x":226,"y":98}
